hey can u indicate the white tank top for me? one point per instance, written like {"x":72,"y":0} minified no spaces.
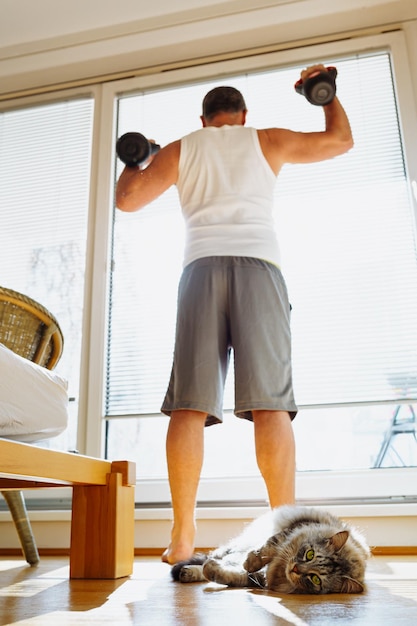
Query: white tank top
{"x":226,"y":191}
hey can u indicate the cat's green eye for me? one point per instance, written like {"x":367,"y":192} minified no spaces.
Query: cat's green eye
{"x":315,"y":580}
{"x":309,"y":555}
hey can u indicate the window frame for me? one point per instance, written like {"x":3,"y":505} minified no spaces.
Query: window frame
{"x":92,"y":92}
{"x":311,"y":486}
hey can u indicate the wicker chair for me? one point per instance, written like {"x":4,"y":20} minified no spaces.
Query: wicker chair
{"x":30,"y":330}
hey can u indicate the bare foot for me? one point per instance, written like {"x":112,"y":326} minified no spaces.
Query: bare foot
{"x":175,"y":553}
{"x":181,"y":547}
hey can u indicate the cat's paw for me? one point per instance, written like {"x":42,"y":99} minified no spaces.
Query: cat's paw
{"x":225,"y":574}
{"x":254,"y":561}
{"x":191,"y":574}
{"x":212,"y":570}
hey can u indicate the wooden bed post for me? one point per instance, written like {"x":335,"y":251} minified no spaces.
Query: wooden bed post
{"x":103,"y":504}
{"x":102,"y":528}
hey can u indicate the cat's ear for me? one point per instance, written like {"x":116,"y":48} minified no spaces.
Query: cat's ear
{"x":349,"y":585}
{"x":338,"y":540}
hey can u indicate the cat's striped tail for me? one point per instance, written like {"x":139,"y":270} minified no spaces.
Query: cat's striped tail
{"x":190,"y":571}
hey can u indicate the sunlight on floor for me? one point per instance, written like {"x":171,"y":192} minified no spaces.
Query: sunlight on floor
{"x":45,"y":596}
{"x":32,"y":581}
{"x":274,"y":606}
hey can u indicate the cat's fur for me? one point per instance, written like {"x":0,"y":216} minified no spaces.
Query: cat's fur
{"x":289,"y":550}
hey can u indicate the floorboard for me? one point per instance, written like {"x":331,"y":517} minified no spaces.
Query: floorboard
{"x":44,"y":596}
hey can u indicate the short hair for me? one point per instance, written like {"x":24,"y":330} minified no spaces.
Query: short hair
{"x":223,"y":99}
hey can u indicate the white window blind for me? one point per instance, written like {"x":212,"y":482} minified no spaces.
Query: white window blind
{"x":45,"y":155}
{"x":346,"y":230}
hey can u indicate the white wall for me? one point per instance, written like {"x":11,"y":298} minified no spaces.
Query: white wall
{"x":383,"y":526}
{"x":51,"y":42}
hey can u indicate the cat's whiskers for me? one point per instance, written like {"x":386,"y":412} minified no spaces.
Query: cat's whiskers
{"x":255,"y":580}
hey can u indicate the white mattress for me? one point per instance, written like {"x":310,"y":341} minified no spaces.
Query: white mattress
{"x":33,"y":400}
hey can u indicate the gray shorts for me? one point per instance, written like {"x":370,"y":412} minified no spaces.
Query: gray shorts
{"x":225,"y":303}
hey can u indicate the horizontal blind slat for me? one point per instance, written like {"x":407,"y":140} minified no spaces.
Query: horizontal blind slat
{"x":347,"y":236}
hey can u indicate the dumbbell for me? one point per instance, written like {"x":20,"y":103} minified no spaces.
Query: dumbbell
{"x":134,"y":149}
{"x":319,"y":88}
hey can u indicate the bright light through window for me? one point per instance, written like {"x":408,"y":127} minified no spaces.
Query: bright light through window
{"x":45,"y":163}
{"x":346,"y":231}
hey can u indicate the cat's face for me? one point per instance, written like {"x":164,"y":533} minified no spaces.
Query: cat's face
{"x":315,"y":566}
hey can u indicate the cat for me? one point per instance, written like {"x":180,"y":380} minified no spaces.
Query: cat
{"x":291,"y":549}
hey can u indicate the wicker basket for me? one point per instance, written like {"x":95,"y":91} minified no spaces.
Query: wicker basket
{"x":29,"y":329}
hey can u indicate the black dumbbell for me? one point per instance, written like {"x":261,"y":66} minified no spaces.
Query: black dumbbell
{"x":134,"y":149}
{"x":320,"y":88}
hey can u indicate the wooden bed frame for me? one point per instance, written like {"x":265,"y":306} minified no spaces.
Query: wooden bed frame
{"x":102,"y":522}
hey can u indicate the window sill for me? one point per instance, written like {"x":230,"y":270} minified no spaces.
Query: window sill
{"x":250,"y":512}
{"x":390,"y":526}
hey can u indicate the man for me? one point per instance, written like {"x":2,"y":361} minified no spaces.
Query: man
{"x":231,"y":293}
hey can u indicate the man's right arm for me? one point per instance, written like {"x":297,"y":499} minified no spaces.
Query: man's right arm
{"x":136,"y":188}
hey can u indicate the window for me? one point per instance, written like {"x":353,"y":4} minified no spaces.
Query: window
{"x":45,"y":154}
{"x":349,"y":258}
{"x":348,"y":248}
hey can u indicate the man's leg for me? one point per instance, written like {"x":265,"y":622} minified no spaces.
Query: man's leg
{"x":275,"y":453}
{"x":185,"y":453}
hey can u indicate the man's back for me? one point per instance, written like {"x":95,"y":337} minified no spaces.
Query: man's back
{"x":226,"y":192}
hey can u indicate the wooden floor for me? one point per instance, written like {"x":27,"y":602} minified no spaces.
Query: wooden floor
{"x":44,"y":596}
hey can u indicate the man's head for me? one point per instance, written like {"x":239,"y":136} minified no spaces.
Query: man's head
{"x":226,"y":100}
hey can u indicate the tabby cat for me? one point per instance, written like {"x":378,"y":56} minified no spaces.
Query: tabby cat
{"x":289,"y":550}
